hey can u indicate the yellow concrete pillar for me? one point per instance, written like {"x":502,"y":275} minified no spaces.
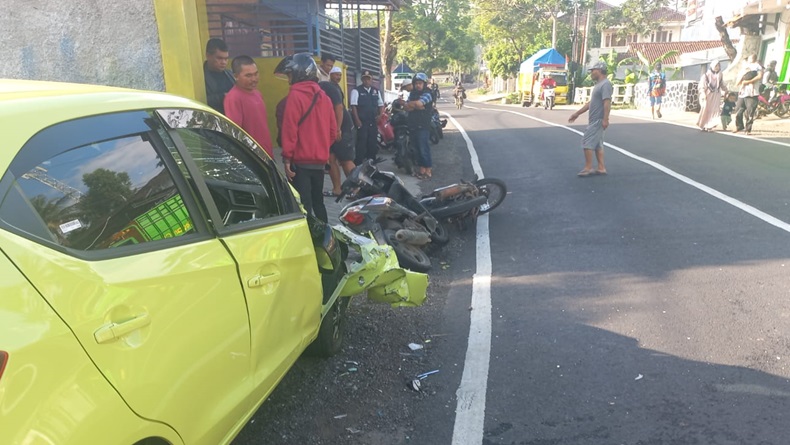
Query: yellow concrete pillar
{"x":183,"y":26}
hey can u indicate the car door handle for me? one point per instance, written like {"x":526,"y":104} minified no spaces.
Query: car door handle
{"x":114,"y":331}
{"x":262,"y":280}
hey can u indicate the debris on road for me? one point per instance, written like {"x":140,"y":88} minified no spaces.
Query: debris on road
{"x":353,"y":430}
{"x":639,"y":377}
{"x":341,"y":416}
{"x":426,"y":374}
{"x":415,"y":346}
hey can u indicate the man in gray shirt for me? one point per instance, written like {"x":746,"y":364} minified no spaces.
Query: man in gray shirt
{"x":599,"y":106}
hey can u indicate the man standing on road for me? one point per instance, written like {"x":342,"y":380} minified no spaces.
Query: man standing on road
{"x":749,"y":82}
{"x":244,"y":103}
{"x":599,"y":106}
{"x":309,"y":128}
{"x":657,"y":85}
{"x":219,"y":79}
{"x":366,"y":106}
{"x":341,"y":153}
{"x":420,"y":108}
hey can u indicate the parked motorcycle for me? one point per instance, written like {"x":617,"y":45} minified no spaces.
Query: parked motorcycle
{"x":548,"y":98}
{"x":386,"y":134}
{"x":465,"y":200}
{"x":783,"y":109}
{"x":437,"y":124}
{"x":390,"y":214}
{"x":768,"y":102}
{"x":405,"y":155}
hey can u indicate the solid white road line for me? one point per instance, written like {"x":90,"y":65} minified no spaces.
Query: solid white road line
{"x":713,"y":192}
{"x":471,"y":395}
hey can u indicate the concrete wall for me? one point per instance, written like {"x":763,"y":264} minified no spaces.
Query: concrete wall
{"x":109,"y":42}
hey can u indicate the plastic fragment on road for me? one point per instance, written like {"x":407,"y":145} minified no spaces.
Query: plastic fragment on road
{"x":340,"y":416}
{"x":415,"y":346}
{"x":639,"y":377}
{"x":426,"y":374}
{"x":353,"y":430}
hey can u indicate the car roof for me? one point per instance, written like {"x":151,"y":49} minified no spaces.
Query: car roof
{"x":27,"y":107}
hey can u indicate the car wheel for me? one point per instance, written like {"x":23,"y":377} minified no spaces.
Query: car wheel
{"x":330,"y":334}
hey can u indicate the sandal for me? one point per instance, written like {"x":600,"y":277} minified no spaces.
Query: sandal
{"x":585,"y":173}
{"x":330,"y":194}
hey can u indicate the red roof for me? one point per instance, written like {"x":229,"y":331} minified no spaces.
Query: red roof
{"x":653,"y":51}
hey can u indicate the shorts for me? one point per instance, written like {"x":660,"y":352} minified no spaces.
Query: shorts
{"x":593,"y":136}
{"x":344,"y":148}
{"x":655,"y":100}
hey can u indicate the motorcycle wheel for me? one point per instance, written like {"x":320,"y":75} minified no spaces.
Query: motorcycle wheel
{"x":409,"y":256}
{"x":783,"y":110}
{"x":434,"y":136}
{"x":495,"y":190}
{"x":403,"y":159}
{"x":441,"y":236}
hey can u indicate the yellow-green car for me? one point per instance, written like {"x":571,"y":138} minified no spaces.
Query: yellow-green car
{"x":157,"y":275}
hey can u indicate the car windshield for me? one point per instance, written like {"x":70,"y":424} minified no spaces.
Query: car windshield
{"x":560,"y":78}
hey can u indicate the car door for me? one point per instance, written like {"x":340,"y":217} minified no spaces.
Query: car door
{"x":107,"y":228}
{"x":262,"y":226}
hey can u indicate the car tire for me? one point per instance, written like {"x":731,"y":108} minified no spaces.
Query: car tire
{"x":330,"y":334}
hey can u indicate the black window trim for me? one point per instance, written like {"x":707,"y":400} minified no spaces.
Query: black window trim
{"x":294,"y":212}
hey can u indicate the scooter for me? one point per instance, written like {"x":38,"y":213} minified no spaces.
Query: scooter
{"x":405,"y":155}
{"x":465,"y":200}
{"x":387,"y":212}
{"x":548,"y":98}
{"x":437,"y":125}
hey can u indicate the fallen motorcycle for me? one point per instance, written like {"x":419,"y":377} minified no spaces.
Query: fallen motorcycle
{"x":387,"y":212}
{"x":465,"y":200}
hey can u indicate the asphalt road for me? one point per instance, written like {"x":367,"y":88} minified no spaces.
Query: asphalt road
{"x":635,"y":308}
{"x":648,"y":306}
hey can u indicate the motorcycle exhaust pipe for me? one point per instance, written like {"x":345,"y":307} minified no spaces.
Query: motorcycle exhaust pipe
{"x":412,"y":237}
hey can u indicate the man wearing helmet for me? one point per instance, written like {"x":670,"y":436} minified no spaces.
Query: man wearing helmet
{"x":366,"y":106}
{"x":599,"y":106}
{"x":420,"y":108}
{"x":308,"y":130}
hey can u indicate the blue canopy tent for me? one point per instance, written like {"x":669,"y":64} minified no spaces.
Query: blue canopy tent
{"x":402,"y":68}
{"x":544,"y":57}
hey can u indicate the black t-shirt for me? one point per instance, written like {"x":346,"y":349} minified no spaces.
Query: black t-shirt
{"x":336,"y":96}
{"x":218,"y":83}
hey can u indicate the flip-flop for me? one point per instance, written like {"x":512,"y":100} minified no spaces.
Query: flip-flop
{"x":585,"y":173}
{"x":329,"y":194}
{"x":600,"y":173}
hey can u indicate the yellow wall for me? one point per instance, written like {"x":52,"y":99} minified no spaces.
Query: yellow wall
{"x":181,"y":32}
{"x":274,"y":89}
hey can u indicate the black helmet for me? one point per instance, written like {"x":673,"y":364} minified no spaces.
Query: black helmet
{"x":301,"y":67}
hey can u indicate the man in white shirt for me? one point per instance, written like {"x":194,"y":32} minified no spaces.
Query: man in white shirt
{"x":749,"y":82}
{"x":327,"y":63}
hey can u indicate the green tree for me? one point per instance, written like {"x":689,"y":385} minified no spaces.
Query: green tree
{"x":515,"y":29}
{"x":433,"y":34}
{"x":632,"y":17}
{"x":108,"y":191}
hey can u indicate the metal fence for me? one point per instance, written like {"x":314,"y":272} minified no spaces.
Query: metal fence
{"x":276,"y":29}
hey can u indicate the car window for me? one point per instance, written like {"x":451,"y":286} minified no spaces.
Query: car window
{"x":106,"y":194}
{"x":242,"y":188}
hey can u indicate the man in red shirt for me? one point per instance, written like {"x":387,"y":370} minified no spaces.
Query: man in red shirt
{"x":244,"y":104}
{"x":309,"y":128}
{"x":548,"y":82}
